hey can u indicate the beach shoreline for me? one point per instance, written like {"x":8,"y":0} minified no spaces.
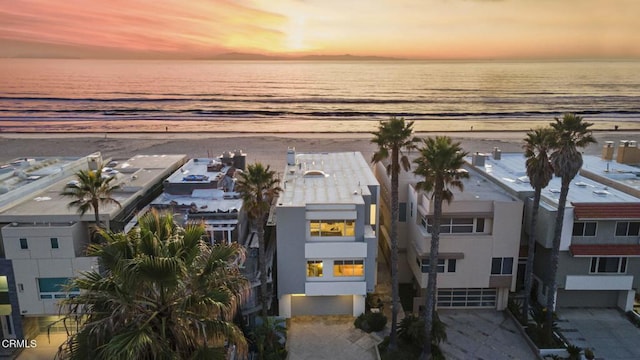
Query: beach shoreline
{"x":267,"y":148}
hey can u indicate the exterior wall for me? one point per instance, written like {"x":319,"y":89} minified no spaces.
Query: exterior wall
{"x":27,"y":271}
{"x":291,"y":233}
{"x":72,"y":240}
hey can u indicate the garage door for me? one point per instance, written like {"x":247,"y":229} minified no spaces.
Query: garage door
{"x":321,"y":305}
{"x":587,"y":298}
{"x":462,"y":298}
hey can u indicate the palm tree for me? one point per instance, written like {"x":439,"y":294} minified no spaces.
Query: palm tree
{"x":163,"y":293}
{"x":571,"y":133}
{"x":537,"y":146}
{"x":393,"y":136}
{"x":258,"y":187}
{"x":91,"y":189}
{"x":440,"y":164}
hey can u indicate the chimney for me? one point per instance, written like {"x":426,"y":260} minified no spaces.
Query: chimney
{"x":291,"y":156}
{"x":477,"y":159}
{"x":628,"y":152}
{"x":607,"y":150}
{"x":497,"y":153}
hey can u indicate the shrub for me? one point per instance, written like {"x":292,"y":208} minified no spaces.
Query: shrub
{"x":411,"y":329}
{"x":588,"y":353}
{"x":370,"y":322}
{"x":574,"y":352}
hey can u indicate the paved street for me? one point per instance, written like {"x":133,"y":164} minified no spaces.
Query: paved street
{"x":606,"y":331}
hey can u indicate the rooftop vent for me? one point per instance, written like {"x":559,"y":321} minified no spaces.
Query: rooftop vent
{"x":554,"y":191}
{"x":314,"y":173}
{"x":524,"y":179}
{"x":581,"y":184}
{"x":601,"y":192}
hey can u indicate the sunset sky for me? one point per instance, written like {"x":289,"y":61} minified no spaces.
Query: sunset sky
{"x":424,"y":29}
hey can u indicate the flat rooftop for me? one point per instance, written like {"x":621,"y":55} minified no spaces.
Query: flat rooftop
{"x":199,"y":170}
{"x":510,"y":172}
{"x":627,"y":175}
{"x":326,"y":178}
{"x":134,"y":175}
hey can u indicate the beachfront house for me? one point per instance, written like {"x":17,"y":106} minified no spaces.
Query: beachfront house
{"x":479,"y":241}
{"x":327,"y":234}
{"x":203,"y":191}
{"x":599,"y":259}
{"x":44,"y":241}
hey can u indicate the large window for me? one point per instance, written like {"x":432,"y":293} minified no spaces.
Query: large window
{"x":584,"y":228}
{"x":628,"y":228}
{"x":332,"y":227}
{"x":348,"y":268}
{"x":502,"y":266}
{"x":314,"y":268}
{"x":444,"y":265}
{"x":616,"y":265}
{"x":455,"y":225}
{"x":56,"y":288}
{"x":466,"y":298}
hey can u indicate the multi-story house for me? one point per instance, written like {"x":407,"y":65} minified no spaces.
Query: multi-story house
{"x":326,"y":225}
{"x":202,"y":191}
{"x":599,"y":259}
{"x":479,"y":241}
{"x":44,"y":240}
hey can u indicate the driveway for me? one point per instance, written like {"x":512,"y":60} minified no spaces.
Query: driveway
{"x":482,"y":334}
{"x":328,"y":337}
{"x":606,"y":331}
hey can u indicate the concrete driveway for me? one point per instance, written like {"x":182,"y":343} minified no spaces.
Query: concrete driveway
{"x":329,"y":337}
{"x":606,"y":331}
{"x":482,"y":334}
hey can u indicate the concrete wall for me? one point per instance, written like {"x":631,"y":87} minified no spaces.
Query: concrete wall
{"x":291,"y":233}
{"x":72,"y":239}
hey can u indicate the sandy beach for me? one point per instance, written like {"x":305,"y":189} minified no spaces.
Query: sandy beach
{"x":266,"y":148}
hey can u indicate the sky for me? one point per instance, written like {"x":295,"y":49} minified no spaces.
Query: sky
{"x":420,"y":29}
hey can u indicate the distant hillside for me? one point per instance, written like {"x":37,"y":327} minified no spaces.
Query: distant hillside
{"x":346,"y":57}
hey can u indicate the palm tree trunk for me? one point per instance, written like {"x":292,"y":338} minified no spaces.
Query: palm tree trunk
{"x":555,"y":254}
{"x":96,"y":207}
{"x":395,"y":168}
{"x":262,"y":263}
{"x":528,"y":273}
{"x":433,"y":273}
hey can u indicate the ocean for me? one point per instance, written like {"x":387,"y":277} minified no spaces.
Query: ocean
{"x":310,"y":96}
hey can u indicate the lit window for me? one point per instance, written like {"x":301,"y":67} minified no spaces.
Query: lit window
{"x":54,"y":243}
{"x":502,"y":266}
{"x":348,"y":268}
{"x":332,"y":227}
{"x":608,"y":265}
{"x":314,"y":268}
{"x":24,"y":244}
{"x":584,"y":228}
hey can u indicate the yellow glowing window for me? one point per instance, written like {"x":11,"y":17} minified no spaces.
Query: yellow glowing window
{"x":348,"y":268}
{"x":314,"y":268}
{"x":332,"y":228}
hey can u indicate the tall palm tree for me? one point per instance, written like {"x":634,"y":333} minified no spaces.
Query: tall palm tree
{"x":440,"y":164}
{"x":163,"y":293}
{"x":571,"y":133}
{"x":391,"y":138}
{"x":91,"y":189}
{"x":537,"y":146}
{"x":258,"y":187}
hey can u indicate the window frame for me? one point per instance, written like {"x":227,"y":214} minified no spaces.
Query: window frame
{"x":595,"y":264}
{"x":628,"y":225}
{"x":55,"y":244}
{"x":500,"y":263}
{"x":445,"y":266}
{"x":584,"y":226}
{"x":24,"y":244}
{"x":448,"y":225}
{"x":347,"y":262}
{"x":318,"y":274}
{"x":347,"y":224}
